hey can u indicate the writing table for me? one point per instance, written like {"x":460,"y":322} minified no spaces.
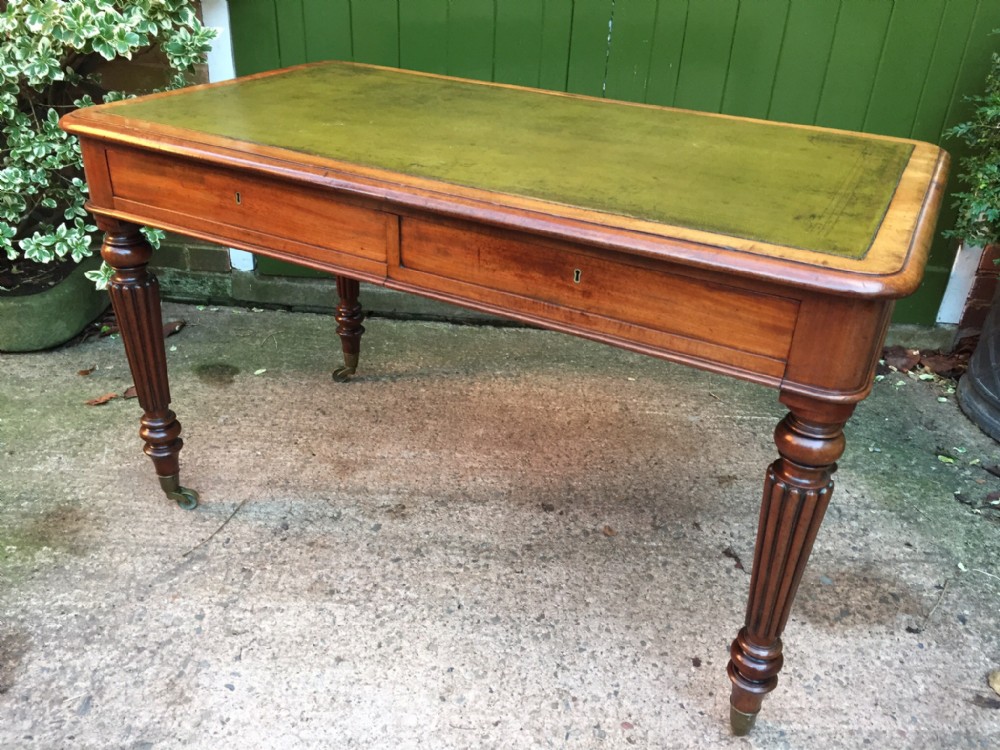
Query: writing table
{"x":764,"y":251}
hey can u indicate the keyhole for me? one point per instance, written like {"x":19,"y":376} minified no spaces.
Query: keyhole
{"x":239,"y":199}
{"x":577,"y":273}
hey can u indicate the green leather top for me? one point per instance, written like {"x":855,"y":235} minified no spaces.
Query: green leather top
{"x":797,"y":187}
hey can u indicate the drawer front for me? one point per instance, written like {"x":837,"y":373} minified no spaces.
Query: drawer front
{"x":249,"y":208}
{"x":623,"y":296}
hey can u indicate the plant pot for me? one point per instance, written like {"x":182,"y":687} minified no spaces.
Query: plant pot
{"x":52,"y":317}
{"x":979,"y":388}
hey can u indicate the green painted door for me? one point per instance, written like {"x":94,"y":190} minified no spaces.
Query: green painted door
{"x":898,"y":67}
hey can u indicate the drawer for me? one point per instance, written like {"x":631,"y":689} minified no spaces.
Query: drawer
{"x":626,"y":297}
{"x":230,"y":205}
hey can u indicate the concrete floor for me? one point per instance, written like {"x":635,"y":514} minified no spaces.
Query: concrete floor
{"x":493,"y":538}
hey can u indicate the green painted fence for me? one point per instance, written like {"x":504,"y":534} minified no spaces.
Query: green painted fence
{"x":899,"y":67}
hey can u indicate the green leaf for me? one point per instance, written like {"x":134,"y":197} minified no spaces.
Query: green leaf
{"x":101,"y":277}
{"x":46,"y":43}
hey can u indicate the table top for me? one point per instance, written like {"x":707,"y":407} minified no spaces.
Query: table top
{"x":827,"y":198}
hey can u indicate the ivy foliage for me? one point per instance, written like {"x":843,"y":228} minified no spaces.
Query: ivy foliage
{"x":979,"y":204}
{"x":49,"y":53}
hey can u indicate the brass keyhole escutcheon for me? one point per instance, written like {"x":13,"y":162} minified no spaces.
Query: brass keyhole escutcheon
{"x":577,"y":274}
{"x":239,"y":199}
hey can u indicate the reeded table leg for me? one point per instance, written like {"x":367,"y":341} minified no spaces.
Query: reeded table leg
{"x":349,"y":328}
{"x":135,"y":297}
{"x":797,"y":489}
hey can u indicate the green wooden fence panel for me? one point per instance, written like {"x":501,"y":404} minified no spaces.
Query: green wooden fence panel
{"x":470,"y":38}
{"x":628,"y":57}
{"x":588,"y":46}
{"x":708,"y":44}
{"x":942,"y":74}
{"x":327,"y":29}
{"x":805,"y":52}
{"x":557,"y":30}
{"x":420,"y":25}
{"x":254,"y":28}
{"x":666,"y":51}
{"x":760,"y":29}
{"x":903,"y":67}
{"x":899,"y":67}
{"x":517,"y":46}
{"x":374,"y":31}
{"x":850,"y":73}
{"x":291,"y":33}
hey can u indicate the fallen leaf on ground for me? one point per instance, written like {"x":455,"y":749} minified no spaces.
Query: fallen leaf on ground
{"x":945,"y":365}
{"x":130,"y":392}
{"x":261,"y":371}
{"x":169,"y":329}
{"x":85,"y":373}
{"x":101,"y":399}
{"x":902,"y":359}
{"x":731,"y":554}
{"x":608,"y":531}
{"x":994,"y":681}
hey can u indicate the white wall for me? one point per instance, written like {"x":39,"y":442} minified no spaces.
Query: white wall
{"x":215,"y":13}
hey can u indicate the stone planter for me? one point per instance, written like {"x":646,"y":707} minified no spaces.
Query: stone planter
{"x":979,"y":388}
{"x":53,"y":317}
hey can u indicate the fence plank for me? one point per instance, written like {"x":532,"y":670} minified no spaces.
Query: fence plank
{"x":327,"y":29}
{"x":708,"y":43}
{"x":291,"y":32}
{"x":903,"y":67}
{"x":588,"y":51}
{"x":518,"y":42}
{"x":421,"y":23}
{"x":553,"y":63}
{"x":254,"y":32}
{"x":375,"y":31}
{"x":850,"y":75}
{"x":946,"y":61}
{"x":760,"y":29}
{"x":632,"y":29}
{"x":667,"y":50}
{"x":470,"y":38}
{"x":798,"y":80}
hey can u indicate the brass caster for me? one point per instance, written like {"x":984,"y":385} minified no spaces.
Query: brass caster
{"x":740,"y":722}
{"x":343,"y":374}
{"x":186,"y":499}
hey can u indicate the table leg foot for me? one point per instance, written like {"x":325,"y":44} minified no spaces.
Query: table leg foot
{"x":797,"y":490}
{"x":186,"y":498}
{"x":741,"y":722}
{"x":343,"y":374}
{"x":349,"y":317}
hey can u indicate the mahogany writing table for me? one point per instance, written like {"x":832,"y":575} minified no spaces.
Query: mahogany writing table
{"x":764,"y":251}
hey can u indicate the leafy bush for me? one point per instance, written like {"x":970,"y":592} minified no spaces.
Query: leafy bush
{"x":979,"y":206}
{"x":50,"y":52}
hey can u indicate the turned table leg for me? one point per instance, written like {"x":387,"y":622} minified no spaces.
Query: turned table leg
{"x":349,"y":328}
{"x":797,"y":489}
{"x":135,"y":297}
